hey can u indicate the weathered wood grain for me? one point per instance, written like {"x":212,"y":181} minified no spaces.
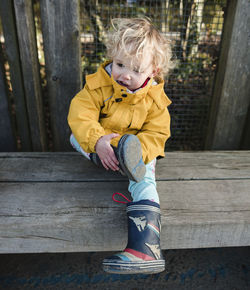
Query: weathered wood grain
{"x":60,"y":202}
{"x":81,"y":216}
{"x":12,"y":53}
{"x":61,"y":35}
{"x":30,"y":70}
{"x":73,"y":167}
{"x":7,"y":142}
{"x":231,"y":100}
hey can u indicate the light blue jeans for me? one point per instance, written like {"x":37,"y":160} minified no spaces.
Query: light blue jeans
{"x":145,"y":189}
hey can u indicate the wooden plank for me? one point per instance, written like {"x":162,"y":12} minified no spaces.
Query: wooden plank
{"x":7,"y":140}
{"x":67,"y":210}
{"x":48,"y":166}
{"x":81,"y":216}
{"x":30,"y":70}
{"x":63,"y":63}
{"x":231,"y":92}
{"x":7,"y":14}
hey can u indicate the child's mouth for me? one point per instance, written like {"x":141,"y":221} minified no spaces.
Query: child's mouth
{"x":122,"y":84}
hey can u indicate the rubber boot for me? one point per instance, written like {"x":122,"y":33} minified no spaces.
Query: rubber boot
{"x":143,"y":253}
{"x":129,"y":155}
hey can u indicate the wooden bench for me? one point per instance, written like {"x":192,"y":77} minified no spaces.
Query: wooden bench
{"x":60,"y":202}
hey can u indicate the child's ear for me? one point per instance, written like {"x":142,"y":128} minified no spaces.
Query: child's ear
{"x":155,"y":72}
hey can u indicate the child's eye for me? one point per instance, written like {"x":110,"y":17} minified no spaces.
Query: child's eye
{"x":137,"y":70}
{"x":120,"y":64}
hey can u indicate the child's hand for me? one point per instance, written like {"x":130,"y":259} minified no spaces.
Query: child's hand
{"x":106,"y":152}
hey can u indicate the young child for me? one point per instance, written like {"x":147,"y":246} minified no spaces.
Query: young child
{"x":120,"y":121}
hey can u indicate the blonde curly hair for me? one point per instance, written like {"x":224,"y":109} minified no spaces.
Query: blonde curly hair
{"x":137,"y":36}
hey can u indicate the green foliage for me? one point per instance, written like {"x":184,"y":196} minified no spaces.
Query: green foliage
{"x":196,"y":67}
{"x":90,"y":65}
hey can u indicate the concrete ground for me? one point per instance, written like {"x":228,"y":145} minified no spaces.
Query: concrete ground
{"x":222,"y":268}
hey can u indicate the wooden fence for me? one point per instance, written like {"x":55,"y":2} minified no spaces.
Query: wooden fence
{"x":229,"y":121}
{"x":61,"y":32}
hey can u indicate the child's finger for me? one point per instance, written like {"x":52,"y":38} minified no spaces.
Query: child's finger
{"x":113,"y":158}
{"x":112,"y":136}
{"x":112,"y":161}
{"x":109,"y":164}
{"x":104,"y":164}
{"x":112,"y":165}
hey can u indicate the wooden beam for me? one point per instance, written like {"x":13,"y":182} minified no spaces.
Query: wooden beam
{"x":71,"y":217}
{"x":59,"y":212}
{"x":231,"y":92}
{"x":61,"y":35}
{"x":72,"y":167}
{"x":30,"y":70}
{"x":7,"y":14}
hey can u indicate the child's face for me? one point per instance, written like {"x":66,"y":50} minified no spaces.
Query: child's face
{"x":131,"y":77}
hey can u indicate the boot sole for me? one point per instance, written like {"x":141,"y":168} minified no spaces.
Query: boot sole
{"x":130,"y":158}
{"x":147,"y":267}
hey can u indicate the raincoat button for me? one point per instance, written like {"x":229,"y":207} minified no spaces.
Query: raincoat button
{"x":124,"y":95}
{"x":118,"y":100}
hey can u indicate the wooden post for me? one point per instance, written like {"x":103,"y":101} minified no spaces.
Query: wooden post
{"x":31,"y":74}
{"x":245,"y":144}
{"x":231,"y":97}
{"x":61,"y":35}
{"x":7,"y":14}
{"x":7,"y":142}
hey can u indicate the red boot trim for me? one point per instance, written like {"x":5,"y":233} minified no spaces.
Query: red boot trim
{"x":139,"y":255}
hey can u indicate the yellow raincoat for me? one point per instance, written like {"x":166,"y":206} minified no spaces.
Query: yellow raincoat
{"x":103,"y":107}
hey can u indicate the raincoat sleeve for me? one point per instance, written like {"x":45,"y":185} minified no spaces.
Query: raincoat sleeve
{"x":83,"y":118}
{"x":154,"y":133}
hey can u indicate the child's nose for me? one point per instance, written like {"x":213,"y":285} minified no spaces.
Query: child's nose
{"x":127,"y":76}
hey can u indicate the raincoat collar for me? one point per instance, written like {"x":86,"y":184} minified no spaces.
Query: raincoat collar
{"x":102,"y":79}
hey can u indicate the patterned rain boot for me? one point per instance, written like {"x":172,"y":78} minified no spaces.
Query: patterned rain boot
{"x":143,"y":253}
{"x":129,"y":155}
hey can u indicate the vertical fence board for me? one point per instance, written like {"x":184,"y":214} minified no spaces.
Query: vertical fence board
{"x":11,"y":47}
{"x":7,"y":138}
{"x":245,"y":144}
{"x":61,"y":35}
{"x":31,"y":74}
{"x":231,"y":92}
